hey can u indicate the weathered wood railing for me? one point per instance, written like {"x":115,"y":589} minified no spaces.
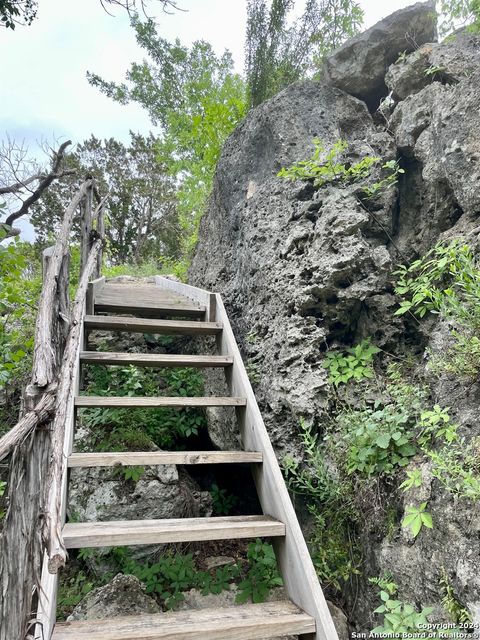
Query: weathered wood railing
{"x":32,"y":547}
{"x":299,"y":577}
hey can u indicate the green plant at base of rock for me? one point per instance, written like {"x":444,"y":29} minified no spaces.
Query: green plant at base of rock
{"x":453,"y":607}
{"x":3,"y":486}
{"x":330,"y":502}
{"x":457,"y":468}
{"x":446,"y":281}
{"x":222,"y":501}
{"x":377,"y":440}
{"x":71,"y":592}
{"x":262,"y":574}
{"x":353,"y":364}
{"x":414,"y":480}
{"x":416,"y":518}
{"x":398,"y":617}
{"x":433,"y":71}
{"x":129,"y":473}
{"x":435,"y":423}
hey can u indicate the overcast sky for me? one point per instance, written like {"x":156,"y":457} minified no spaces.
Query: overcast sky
{"x":45,"y":93}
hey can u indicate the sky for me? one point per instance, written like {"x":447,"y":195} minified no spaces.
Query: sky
{"x":44,"y":90}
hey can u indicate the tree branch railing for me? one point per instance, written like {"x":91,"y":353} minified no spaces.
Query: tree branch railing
{"x":37,"y":479}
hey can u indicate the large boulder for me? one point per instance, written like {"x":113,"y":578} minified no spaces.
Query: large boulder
{"x":298,"y":267}
{"x":359,"y":66}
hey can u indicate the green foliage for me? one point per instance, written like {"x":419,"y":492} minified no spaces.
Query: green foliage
{"x":432,"y":71}
{"x":332,"y":166}
{"x":141,"y":223}
{"x":414,"y":480}
{"x":144,"y":269}
{"x":262,"y":574}
{"x":197,"y":100}
{"x":376,"y":440}
{"x":129,"y":473}
{"x":446,"y":281}
{"x":222,"y":501}
{"x":17,"y":12}
{"x":278,"y":52}
{"x":379,"y":436}
{"x":457,"y":613}
{"x":20,"y":286}
{"x":416,"y":518}
{"x":353,"y":364}
{"x":393,"y":169}
{"x":457,"y":467}
{"x":72,"y":591}
{"x":398,"y":617}
{"x":127,"y":429}
{"x":329,"y":500}
{"x":458,"y":13}
{"x":324,"y":167}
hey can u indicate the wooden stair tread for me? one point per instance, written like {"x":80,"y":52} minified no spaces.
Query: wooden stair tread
{"x":148,"y":309}
{"x":154,"y":359}
{"x":159,"y":401}
{"x":139,"y":532}
{"x":246,"y":622}
{"x":143,"y":458}
{"x":150,"y":325}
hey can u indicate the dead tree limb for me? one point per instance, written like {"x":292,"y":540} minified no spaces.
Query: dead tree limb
{"x":53,"y":519}
{"x":44,"y":354}
{"x":39,"y":415}
{"x":44,"y":181}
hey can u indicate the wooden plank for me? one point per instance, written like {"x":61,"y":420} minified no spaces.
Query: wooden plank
{"x":138,"y":532}
{"x":299,"y":577}
{"x":154,"y":359}
{"x":201,"y":296}
{"x":145,"y":458}
{"x":165,"y":401}
{"x":149,"y":310}
{"x":149,"y":325}
{"x":93,"y":290}
{"x":246,"y":622}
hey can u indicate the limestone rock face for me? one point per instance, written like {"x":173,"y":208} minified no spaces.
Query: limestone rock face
{"x":359,"y":66}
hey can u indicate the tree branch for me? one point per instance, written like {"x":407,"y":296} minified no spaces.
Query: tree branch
{"x":44,"y":183}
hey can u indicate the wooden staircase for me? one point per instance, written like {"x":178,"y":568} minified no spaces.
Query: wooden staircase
{"x":305,"y":614}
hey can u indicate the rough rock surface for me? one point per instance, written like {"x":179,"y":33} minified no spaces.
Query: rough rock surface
{"x":359,"y":66}
{"x":123,"y":596}
{"x":300,"y":268}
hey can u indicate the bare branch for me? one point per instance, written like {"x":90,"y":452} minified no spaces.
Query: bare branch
{"x":132,"y":6}
{"x":43,"y":183}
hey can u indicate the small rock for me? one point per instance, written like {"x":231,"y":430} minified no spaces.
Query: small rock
{"x":123,"y":596}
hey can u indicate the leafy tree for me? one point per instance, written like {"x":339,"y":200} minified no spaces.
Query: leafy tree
{"x":457,"y":13}
{"x":141,"y":210}
{"x":278,"y":54}
{"x":196,"y":99}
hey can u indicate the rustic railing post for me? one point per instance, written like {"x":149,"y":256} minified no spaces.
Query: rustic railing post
{"x":86,"y":226}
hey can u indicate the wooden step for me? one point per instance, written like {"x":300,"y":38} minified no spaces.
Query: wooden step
{"x":246,"y":622}
{"x":149,"y":309}
{"x":149,"y":325}
{"x":154,"y":359}
{"x":165,"y":401}
{"x":145,"y":458}
{"x":139,"y":532}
